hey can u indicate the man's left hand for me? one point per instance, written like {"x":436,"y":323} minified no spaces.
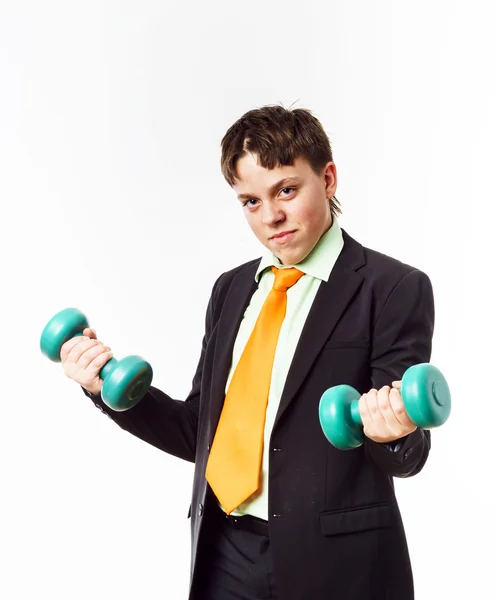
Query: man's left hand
{"x":383,"y":414}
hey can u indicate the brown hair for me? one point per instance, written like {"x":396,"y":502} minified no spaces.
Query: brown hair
{"x":278,"y":136}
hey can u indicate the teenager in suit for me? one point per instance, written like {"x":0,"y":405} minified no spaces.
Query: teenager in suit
{"x":314,"y":521}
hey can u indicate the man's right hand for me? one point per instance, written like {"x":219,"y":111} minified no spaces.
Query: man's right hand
{"x":83,"y":357}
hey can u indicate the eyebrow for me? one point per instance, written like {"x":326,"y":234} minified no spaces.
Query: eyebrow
{"x":273,"y":188}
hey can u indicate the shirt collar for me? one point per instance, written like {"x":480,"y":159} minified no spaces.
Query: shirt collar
{"x":319,"y":262}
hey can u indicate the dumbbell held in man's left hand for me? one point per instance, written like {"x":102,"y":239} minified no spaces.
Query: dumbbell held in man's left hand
{"x":426,"y":397}
{"x":126,"y":381}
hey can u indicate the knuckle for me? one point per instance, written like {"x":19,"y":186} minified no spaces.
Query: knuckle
{"x":98,"y":360}
{"x":372,"y":405}
{"x":95,"y":350}
{"x":383,"y":404}
{"x":101,"y":359}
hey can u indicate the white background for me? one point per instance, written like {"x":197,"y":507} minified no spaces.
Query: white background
{"x":111,"y":116}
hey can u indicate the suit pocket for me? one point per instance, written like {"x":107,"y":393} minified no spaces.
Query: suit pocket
{"x":347,"y":344}
{"x":376,"y":516}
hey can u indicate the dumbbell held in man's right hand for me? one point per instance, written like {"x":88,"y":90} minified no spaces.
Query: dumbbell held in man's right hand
{"x":426,"y":397}
{"x":126,"y":381}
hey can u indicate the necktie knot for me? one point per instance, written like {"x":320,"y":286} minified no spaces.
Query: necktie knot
{"x":285,"y":278}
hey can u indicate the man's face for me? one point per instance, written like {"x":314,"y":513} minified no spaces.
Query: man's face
{"x":290,"y":200}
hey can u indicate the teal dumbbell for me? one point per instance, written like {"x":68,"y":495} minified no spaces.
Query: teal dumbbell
{"x":425,"y":394}
{"x":126,"y":381}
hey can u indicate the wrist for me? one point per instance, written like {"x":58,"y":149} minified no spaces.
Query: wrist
{"x":91,"y":391}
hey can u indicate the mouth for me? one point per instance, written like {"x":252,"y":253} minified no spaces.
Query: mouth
{"x":284,"y":236}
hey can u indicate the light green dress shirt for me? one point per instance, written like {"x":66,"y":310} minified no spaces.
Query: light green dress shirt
{"x":317,"y":267}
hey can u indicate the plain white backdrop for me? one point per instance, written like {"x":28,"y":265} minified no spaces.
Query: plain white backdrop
{"x":111,"y":116}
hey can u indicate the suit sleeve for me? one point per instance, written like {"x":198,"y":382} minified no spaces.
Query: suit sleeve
{"x":402,"y":338}
{"x":168,"y":424}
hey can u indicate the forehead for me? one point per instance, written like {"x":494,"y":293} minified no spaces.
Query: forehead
{"x":252,"y":176}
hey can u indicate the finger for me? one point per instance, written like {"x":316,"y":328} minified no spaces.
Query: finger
{"x":99,"y":362}
{"x":375,"y":403}
{"x":387,"y":412}
{"x":78,"y":349}
{"x":67,"y":347}
{"x":89,"y":355}
{"x":91,"y":333}
{"x":364,"y":412}
{"x":398,"y":407}
{"x":396,"y":384}
{"x":368,"y":411}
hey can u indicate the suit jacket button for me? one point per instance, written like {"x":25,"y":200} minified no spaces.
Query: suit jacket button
{"x":200,"y":509}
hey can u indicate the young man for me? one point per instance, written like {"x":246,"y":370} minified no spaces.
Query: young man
{"x":277,"y":511}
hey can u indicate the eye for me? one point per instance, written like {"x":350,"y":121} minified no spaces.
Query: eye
{"x":288,"y":190}
{"x":246,"y":202}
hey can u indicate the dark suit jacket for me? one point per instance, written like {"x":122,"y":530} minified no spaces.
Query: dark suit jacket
{"x":335,"y":527}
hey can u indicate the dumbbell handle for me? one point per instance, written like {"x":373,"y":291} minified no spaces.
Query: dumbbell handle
{"x":437,"y":387}
{"x":356,"y":417}
{"x":107,"y":367}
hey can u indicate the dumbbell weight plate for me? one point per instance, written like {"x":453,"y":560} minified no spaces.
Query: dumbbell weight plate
{"x":65,"y":325}
{"x":127,"y":382}
{"x":426,"y":394}
{"x":339,"y":417}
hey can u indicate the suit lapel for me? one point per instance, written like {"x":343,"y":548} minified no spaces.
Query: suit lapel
{"x":235,"y":303}
{"x":331,"y":301}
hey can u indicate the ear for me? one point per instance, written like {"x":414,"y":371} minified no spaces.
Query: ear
{"x":331,"y":179}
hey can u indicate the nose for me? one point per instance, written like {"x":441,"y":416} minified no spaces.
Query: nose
{"x":272,"y":214}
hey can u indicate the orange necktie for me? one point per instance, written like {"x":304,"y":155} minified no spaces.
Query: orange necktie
{"x":233,"y":468}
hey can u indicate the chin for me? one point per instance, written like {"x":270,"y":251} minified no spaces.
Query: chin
{"x":289,"y":259}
